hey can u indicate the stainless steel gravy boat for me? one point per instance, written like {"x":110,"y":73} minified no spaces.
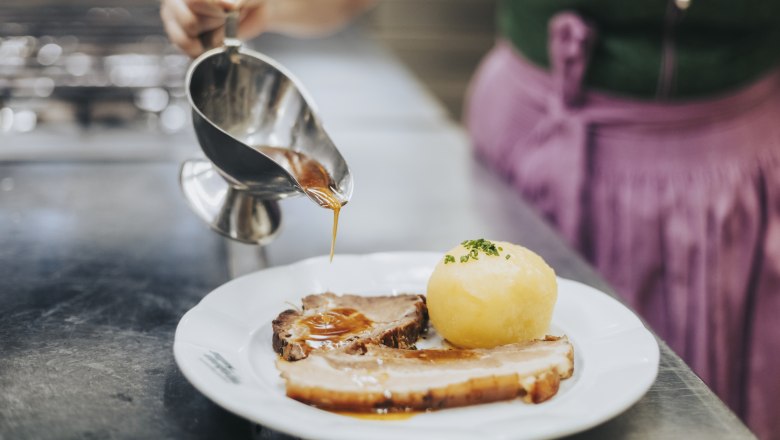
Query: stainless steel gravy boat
{"x":242,"y":100}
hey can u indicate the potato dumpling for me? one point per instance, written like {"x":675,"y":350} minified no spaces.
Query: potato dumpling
{"x":504,"y":295}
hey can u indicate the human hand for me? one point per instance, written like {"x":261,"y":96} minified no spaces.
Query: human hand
{"x":197,"y":25}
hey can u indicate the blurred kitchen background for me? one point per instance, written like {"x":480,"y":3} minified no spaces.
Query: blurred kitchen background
{"x":72,"y":65}
{"x":441,"y":41}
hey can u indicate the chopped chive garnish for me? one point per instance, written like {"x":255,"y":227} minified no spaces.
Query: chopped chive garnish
{"x":474,"y":247}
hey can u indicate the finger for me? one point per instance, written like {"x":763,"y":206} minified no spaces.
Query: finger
{"x":189,"y":45}
{"x":253,"y":22}
{"x":214,"y":38}
{"x":230,"y":5}
{"x":207,"y":8}
{"x":193,"y":24}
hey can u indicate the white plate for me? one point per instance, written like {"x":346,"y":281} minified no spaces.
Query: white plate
{"x":223,"y":346}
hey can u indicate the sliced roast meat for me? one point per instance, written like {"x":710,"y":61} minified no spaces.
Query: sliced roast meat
{"x":377,"y":378}
{"x":327,"y":321}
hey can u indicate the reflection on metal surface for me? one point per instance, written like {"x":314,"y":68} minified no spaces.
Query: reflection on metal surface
{"x":49,"y":53}
{"x":6,"y":119}
{"x":154,"y":99}
{"x":43,"y":87}
{"x":94,"y":63}
{"x":173,"y":118}
{"x":231,"y":212}
{"x":25,"y":120}
{"x":20,"y":121}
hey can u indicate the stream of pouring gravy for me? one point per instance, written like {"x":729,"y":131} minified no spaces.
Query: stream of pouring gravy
{"x":314,"y":180}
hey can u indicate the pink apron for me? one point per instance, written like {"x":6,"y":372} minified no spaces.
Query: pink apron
{"x":677,"y":204}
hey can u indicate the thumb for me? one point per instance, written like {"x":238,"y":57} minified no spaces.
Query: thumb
{"x":231,"y":5}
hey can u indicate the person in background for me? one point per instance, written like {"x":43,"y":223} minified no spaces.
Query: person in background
{"x":647,"y":132}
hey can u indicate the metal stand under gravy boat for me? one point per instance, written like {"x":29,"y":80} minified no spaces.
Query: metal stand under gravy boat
{"x":263,"y":142}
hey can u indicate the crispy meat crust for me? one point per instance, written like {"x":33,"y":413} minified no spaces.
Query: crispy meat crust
{"x":474,"y":391}
{"x":400,"y":320}
{"x":534,"y":388}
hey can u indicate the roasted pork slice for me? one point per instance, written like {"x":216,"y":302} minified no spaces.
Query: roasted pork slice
{"x":327,"y":321}
{"x":385,"y":379}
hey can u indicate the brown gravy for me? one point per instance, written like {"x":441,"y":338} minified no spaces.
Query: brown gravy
{"x":314,"y":179}
{"x":388,"y":416}
{"x":334,"y":325}
{"x":439,"y":355}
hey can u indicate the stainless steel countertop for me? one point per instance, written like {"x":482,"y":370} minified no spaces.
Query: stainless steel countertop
{"x":417,"y":187}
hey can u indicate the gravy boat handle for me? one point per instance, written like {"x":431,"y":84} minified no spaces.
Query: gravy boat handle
{"x":230,"y":39}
